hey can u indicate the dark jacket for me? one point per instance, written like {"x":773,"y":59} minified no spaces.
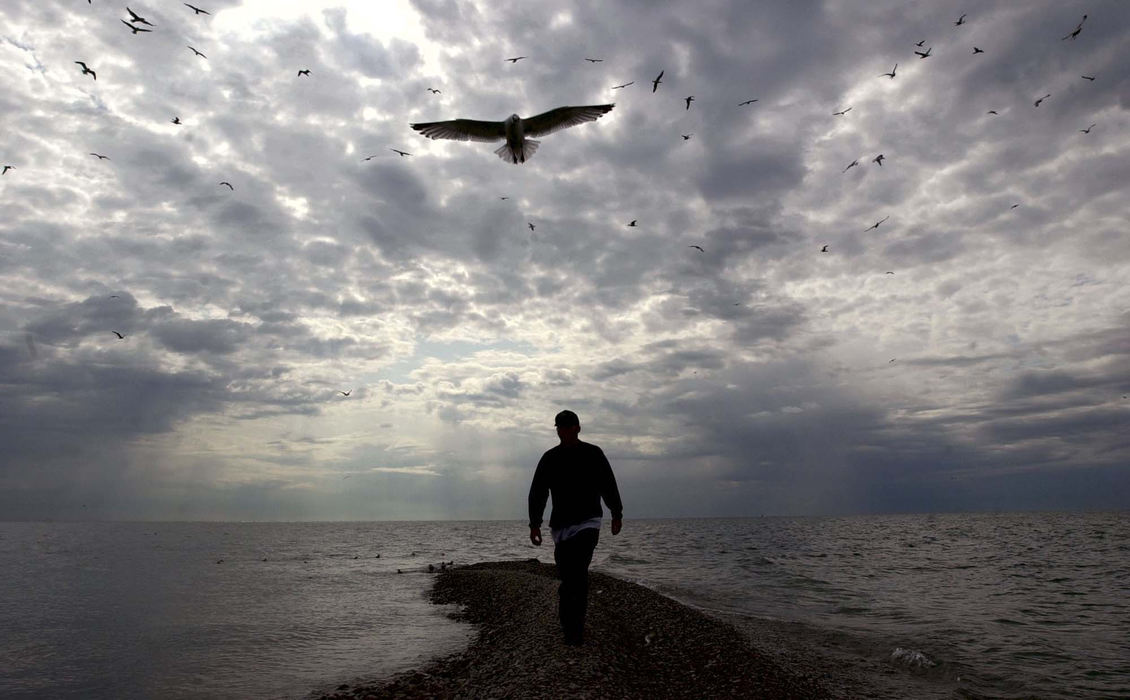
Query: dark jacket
{"x":578,"y":476}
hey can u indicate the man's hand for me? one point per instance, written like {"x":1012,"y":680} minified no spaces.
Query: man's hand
{"x":617,"y":523}
{"x":535,"y":536}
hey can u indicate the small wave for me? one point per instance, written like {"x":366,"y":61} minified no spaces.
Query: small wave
{"x":617,"y":558}
{"x":911,"y":658}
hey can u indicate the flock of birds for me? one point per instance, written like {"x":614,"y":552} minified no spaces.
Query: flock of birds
{"x":517,"y":132}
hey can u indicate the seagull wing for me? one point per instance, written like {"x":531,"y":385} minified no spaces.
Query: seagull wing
{"x":463,"y":130}
{"x":562,"y":118}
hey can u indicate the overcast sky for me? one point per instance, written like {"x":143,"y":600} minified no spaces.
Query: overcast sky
{"x":756,"y":376}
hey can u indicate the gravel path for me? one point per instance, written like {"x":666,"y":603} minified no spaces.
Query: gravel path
{"x":638,"y":644}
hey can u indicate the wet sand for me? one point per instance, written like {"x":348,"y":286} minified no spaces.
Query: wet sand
{"x":638,"y":644}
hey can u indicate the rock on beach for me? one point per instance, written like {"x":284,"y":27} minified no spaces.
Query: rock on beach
{"x":638,"y":644}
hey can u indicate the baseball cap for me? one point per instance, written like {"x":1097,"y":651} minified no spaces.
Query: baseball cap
{"x":566,"y":419}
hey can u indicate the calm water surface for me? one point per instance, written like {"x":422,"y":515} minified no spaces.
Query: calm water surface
{"x":1001,"y":605}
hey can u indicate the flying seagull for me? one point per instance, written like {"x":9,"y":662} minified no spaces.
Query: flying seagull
{"x":1078,"y":28}
{"x":516,"y":59}
{"x":619,"y":87}
{"x":977,"y":50}
{"x":920,"y":44}
{"x":304,"y":71}
{"x":924,"y":55}
{"x":689,"y":100}
{"x":992,"y":111}
{"x":134,"y":17}
{"x":633,"y":222}
{"x":7,"y":168}
{"x":876,"y":224}
{"x":824,"y":249}
{"x":514,"y":130}
{"x":197,"y":10}
{"x":851,"y":165}
{"x":531,"y":225}
{"x":891,"y":75}
{"x":878,"y":159}
{"x":747,"y":102}
{"x":176,"y":120}
{"x":86,"y":70}
{"x":960,"y":21}
{"x":402,"y":153}
{"x":135,"y":29}
{"x":1037,"y":103}
{"x":698,"y":247}
{"x":1088,"y":77}
{"x":658,"y":79}
{"x":1014,"y":206}
{"x":345,"y":393}
{"x":197,"y":52}
{"x":1088,"y":129}
{"x":99,"y":156}
{"x":595,"y":60}
{"x":225,"y":182}
{"x":434,"y":91}
{"x":120,"y":336}
{"x":686,"y":137}
{"x":840,"y":114}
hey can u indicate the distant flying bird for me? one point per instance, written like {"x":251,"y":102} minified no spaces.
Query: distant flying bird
{"x":515,"y":130}
{"x":633,"y":222}
{"x":197,"y":10}
{"x":228,"y":185}
{"x":530,"y":224}
{"x":86,"y":70}
{"x":369,"y":158}
{"x":1088,"y":129}
{"x":304,"y":71}
{"x":1037,"y":103}
{"x":851,"y":165}
{"x":99,"y":156}
{"x":977,"y":51}
{"x":689,"y":100}
{"x":840,"y":114}
{"x":924,"y":55}
{"x":135,"y":29}
{"x":824,"y":249}
{"x":992,"y":111}
{"x":658,"y":79}
{"x":747,"y":102}
{"x":595,"y":60}
{"x":960,"y":21}
{"x":919,"y":44}
{"x":401,"y":153}
{"x":698,"y":247}
{"x":1088,"y":77}
{"x":504,"y":198}
{"x":876,"y":224}
{"x":1014,"y":206}
{"x":134,"y":17}
{"x":686,"y":137}
{"x":889,"y":272}
{"x":891,"y":75}
{"x":115,"y":296}
{"x":434,"y":91}
{"x":345,"y":393}
{"x":890,"y":360}
{"x":120,"y":336}
{"x":197,"y":52}
{"x":1078,"y":28}
{"x":879,"y":159}
{"x":618,"y":87}
{"x":176,"y":120}
{"x":516,"y":59}
{"x":7,"y":168}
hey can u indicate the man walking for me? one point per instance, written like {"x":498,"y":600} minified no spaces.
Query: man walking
{"x":579,"y":476}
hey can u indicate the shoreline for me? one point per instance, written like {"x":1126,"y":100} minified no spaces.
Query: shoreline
{"x":638,"y":644}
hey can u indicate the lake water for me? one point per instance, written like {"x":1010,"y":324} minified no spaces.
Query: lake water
{"x":975,"y":606}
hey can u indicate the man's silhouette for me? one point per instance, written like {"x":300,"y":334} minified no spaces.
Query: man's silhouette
{"x":578,"y":475}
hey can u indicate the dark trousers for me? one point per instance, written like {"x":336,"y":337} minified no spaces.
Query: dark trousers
{"x":573,"y":557}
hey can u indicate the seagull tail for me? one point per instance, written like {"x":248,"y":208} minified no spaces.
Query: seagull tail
{"x":519,"y":155}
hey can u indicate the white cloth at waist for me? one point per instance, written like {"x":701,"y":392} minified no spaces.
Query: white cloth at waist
{"x":561,"y":534}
